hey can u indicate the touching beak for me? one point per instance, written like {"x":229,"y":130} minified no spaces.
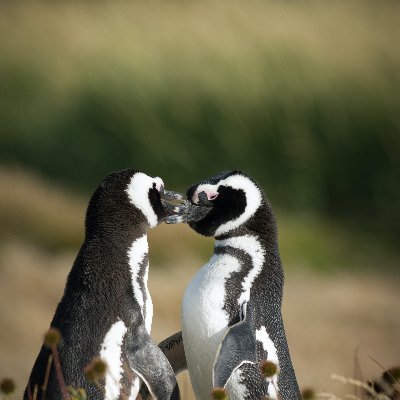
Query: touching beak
{"x":169,"y":195}
{"x":181,"y":210}
{"x":173,"y":202}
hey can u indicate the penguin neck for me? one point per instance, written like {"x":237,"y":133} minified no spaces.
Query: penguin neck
{"x":119,"y":229}
{"x":115,"y":272}
{"x":263,"y":252}
{"x":114,"y":222}
{"x":116,"y":235}
{"x":267,"y":238}
{"x":262,"y":225}
{"x":110,"y":257}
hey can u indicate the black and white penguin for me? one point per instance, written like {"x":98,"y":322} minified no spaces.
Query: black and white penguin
{"x":106,"y":309}
{"x":231,"y":310}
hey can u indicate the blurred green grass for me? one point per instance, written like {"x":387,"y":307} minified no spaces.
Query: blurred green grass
{"x":35,"y":212}
{"x":304,"y":96}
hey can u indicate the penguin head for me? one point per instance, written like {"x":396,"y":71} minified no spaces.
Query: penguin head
{"x":225,"y":202}
{"x":125,"y":199}
{"x":144,"y":193}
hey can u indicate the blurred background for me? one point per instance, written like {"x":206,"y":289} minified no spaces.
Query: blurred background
{"x":303,"y":96}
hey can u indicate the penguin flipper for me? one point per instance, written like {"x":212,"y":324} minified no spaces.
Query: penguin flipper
{"x":149,"y":362}
{"x":173,"y":349}
{"x":237,"y":347}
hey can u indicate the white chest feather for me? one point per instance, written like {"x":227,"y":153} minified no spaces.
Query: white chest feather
{"x":251,"y":246}
{"x":236,"y":389}
{"x":269,"y":346}
{"x":111,"y":353}
{"x":137,"y":254}
{"x":204,"y":320}
{"x":111,"y":349}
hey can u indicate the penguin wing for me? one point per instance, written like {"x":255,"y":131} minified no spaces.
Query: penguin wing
{"x":173,"y":349}
{"x":149,"y":362}
{"x":237,"y":347}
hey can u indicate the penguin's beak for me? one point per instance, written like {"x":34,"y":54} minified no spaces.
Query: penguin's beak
{"x":185,"y":210}
{"x":169,"y":195}
{"x":203,"y":200}
{"x":171,"y":201}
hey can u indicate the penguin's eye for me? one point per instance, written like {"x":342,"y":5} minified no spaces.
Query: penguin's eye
{"x":159,"y":186}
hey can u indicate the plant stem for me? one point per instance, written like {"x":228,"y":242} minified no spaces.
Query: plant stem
{"x":59,"y":373}
{"x":35,"y":390}
{"x":29,"y":391}
{"x":46,"y":377}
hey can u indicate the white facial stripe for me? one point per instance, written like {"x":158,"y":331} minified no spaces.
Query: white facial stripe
{"x":251,"y":246}
{"x":269,"y":346}
{"x":159,"y":182}
{"x":253,"y":199}
{"x":136,"y":255}
{"x":138,"y":192}
{"x":111,"y":354}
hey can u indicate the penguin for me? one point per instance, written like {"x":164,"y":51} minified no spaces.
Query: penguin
{"x":231,"y":310}
{"x":106,"y":310}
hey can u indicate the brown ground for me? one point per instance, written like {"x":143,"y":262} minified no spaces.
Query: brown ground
{"x":327,"y":317}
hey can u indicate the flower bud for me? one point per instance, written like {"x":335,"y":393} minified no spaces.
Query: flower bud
{"x":219,"y":394}
{"x":268,"y":368}
{"x":96,"y":369}
{"x":7,"y":386}
{"x":52,"y":338}
{"x":308,"y":394}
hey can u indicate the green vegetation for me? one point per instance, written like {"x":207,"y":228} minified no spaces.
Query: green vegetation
{"x":52,"y":219}
{"x":304,"y":96}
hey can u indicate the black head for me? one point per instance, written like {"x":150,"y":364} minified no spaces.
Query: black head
{"x":125,"y":199}
{"x":225,"y":202}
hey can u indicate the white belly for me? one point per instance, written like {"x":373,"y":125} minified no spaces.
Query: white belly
{"x":204,"y":321}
